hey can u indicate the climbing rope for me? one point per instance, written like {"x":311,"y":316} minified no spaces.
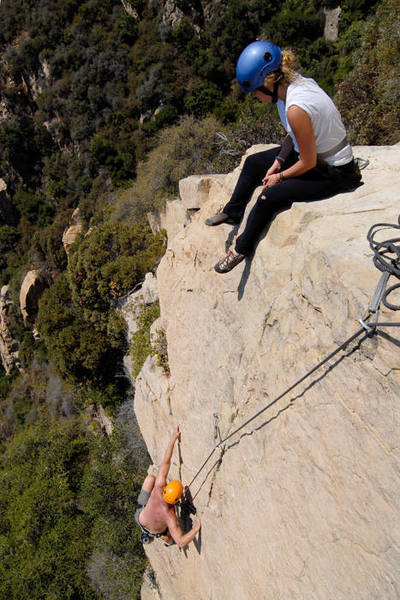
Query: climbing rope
{"x":387,"y":259}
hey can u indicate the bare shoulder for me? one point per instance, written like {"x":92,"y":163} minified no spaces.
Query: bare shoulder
{"x":295,"y":113}
{"x":171,"y":514}
{"x":301,"y":124}
{"x":172,"y":521}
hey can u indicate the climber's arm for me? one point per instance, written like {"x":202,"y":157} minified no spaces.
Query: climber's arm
{"x":162,"y":474}
{"x":182,"y":539}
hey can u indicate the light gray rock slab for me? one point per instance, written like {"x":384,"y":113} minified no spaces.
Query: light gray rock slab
{"x":304,"y":504}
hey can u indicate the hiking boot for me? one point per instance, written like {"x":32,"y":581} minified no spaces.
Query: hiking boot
{"x":219,"y":218}
{"x":229,"y":262}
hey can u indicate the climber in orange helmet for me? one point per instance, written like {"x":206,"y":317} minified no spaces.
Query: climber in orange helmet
{"x":155,"y":513}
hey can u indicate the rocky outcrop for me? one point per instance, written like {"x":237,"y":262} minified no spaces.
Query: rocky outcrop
{"x":130,"y":9}
{"x":97,"y":419}
{"x":174,"y":12}
{"x":147,"y":293}
{"x":131,"y":307}
{"x":71,"y":233}
{"x":33,"y":286}
{"x":8,"y":346}
{"x":193,"y":193}
{"x":304,"y":503}
{"x":172,"y":15}
{"x":331,"y":29}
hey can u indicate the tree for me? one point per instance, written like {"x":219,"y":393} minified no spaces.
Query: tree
{"x":369,"y":97}
{"x":44,"y":536}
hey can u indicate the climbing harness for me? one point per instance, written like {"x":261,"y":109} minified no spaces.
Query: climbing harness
{"x":148,"y":536}
{"x":387,"y":259}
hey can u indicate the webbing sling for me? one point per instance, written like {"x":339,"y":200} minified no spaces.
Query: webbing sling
{"x":335,"y":149}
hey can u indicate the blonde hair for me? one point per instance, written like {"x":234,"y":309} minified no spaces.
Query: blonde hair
{"x":286,"y":72}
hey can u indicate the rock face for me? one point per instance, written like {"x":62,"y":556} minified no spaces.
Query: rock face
{"x":32,"y":288}
{"x":71,"y":233}
{"x":130,"y":307}
{"x":305,"y":502}
{"x":171,"y":13}
{"x":8,"y":346}
{"x":130,"y":9}
{"x":331,"y":29}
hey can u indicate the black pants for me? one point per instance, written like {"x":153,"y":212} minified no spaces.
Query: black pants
{"x":318,"y":183}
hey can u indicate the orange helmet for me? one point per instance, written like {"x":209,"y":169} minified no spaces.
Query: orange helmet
{"x":173,"y":491}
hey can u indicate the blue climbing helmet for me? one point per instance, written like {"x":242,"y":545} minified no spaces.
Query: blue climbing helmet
{"x":255,"y":62}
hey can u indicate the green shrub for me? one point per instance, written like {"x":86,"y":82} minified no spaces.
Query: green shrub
{"x":67,"y":502}
{"x":84,"y":335}
{"x":33,"y":208}
{"x":77,"y":349}
{"x":110,"y":261}
{"x":202,"y":98}
{"x":9,"y":236}
{"x":140,"y":346}
{"x":44,"y":536}
{"x":192,"y":147}
{"x":369,"y":97}
{"x":160,"y":350}
{"x":29,"y":349}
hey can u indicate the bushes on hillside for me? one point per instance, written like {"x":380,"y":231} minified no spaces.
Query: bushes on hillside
{"x":192,"y":147}
{"x":44,"y":537}
{"x":67,"y":502}
{"x":77,"y":349}
{"x":369,"y":98}
{"x":84,"y":335}
{"x":110,"y":261}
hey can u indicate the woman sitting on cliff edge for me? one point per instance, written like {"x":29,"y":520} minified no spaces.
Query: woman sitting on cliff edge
{"x":314,"y":161}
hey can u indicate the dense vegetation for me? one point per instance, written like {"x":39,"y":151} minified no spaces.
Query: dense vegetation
{"x":67,"y":518}
{"x":105,"y":112}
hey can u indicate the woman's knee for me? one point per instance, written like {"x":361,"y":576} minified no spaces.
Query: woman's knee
{"x":275,"y":195}
{"x":259,"y":162}
{"x":250,"y":164}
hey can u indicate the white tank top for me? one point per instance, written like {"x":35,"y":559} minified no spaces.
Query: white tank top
{"x":327,"y":124}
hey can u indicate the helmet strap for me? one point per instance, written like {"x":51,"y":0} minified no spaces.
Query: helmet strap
{"x":273,"y":94}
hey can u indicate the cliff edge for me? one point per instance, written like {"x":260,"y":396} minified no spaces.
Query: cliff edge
{"x":304,"y":502}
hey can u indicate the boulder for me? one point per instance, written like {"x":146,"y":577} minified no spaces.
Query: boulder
{"x":71,"y":233}
{"x":131,"y":304}
{"x":33,"y":286}
{"x":331,"y":29}
{"x":130,"y":9}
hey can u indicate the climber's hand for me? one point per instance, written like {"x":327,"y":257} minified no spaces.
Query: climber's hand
{"x":197,"y":523}
{"x":176,"y":433}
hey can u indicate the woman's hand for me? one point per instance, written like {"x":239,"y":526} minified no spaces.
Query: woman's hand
{"x":274,"y":168}
{"x":271,"y":180}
